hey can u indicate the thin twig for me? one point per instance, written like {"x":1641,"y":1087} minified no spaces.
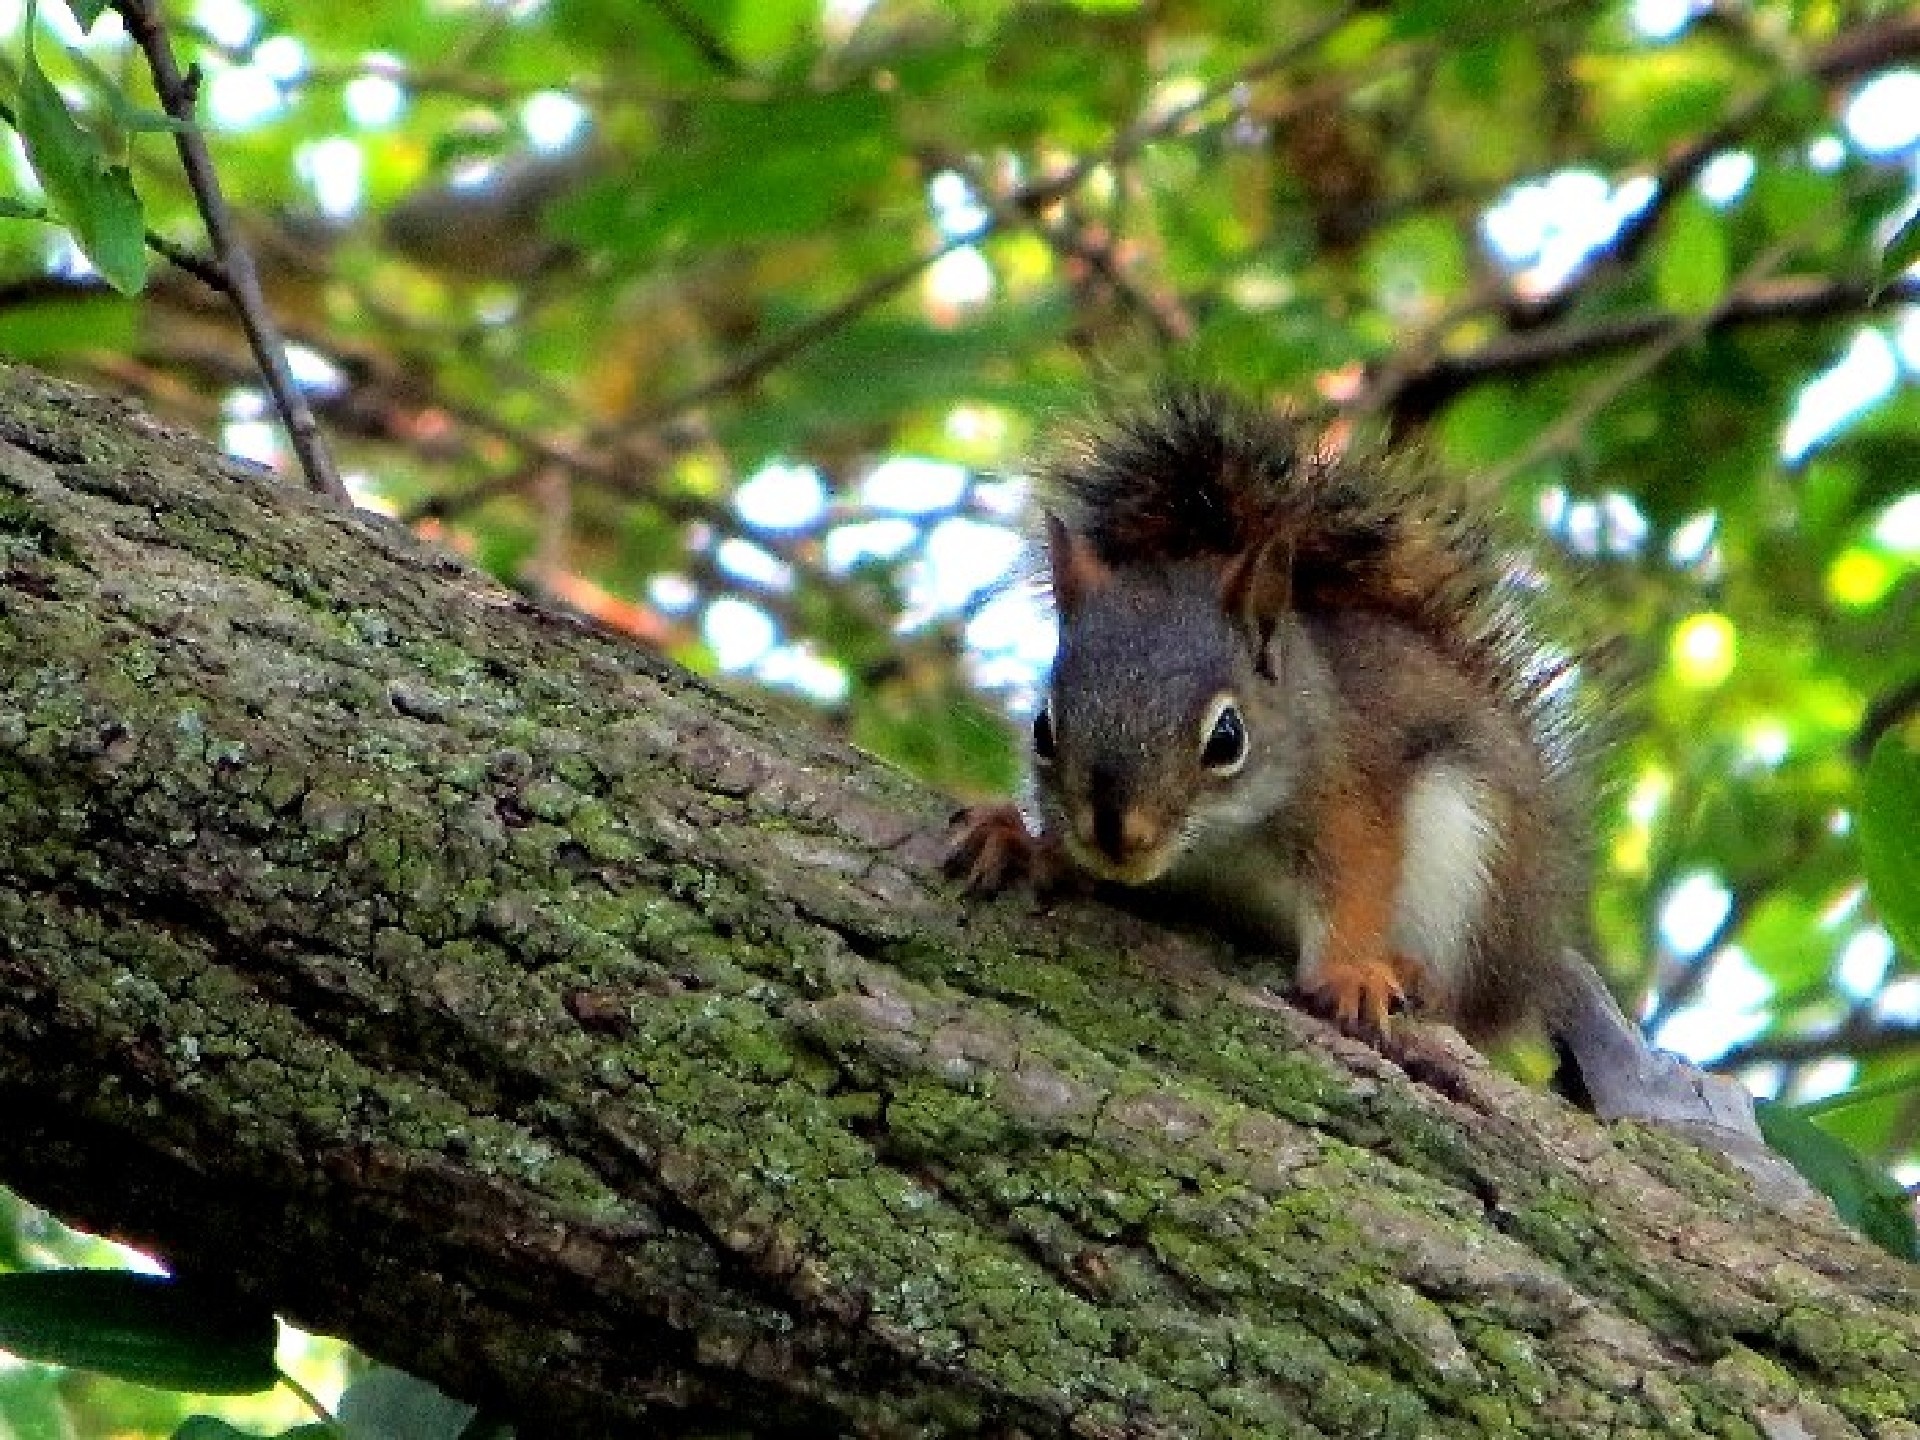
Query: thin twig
{"x":694,"y":31}
{"x":176,"y":94}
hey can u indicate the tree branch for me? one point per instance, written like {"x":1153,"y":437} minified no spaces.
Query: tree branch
{"x":145,"y":25}
{"x":1860,"y":1039}
{"x":1423,"y":391}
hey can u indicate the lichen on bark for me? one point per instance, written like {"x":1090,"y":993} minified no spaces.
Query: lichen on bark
{"x":606,"y":1048}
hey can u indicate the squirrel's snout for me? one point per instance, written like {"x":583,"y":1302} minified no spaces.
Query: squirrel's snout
{"x":1125,"y":841}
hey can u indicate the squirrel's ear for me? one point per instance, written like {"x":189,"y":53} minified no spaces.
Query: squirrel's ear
{"x":1256,"y":588}
{"x":1077,"y":571}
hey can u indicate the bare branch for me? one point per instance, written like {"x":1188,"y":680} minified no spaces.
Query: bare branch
{"x":176,"y":92}
{"x":1424,"y":390}
{"x":696,"y":33}
{"x":1856,"y":1040}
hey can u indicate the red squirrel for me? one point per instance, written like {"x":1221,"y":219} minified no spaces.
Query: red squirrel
{"x":1303,"y":693}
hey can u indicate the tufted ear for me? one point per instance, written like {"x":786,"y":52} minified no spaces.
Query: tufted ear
{"x":1077,"y":571}
{"x":1256,"y":589}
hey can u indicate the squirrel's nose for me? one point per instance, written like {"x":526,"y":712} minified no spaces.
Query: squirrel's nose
{"x":1122,"y":831}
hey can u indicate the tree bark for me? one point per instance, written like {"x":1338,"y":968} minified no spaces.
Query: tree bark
{"x":606,"y":1049}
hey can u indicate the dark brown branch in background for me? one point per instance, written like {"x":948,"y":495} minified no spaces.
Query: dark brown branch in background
{"x":176,"y":94}
{"x":1422,"y":392}
{"x":1854,"y":1041}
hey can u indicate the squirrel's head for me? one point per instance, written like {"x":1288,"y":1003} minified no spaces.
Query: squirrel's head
{"x":1164,"y":722}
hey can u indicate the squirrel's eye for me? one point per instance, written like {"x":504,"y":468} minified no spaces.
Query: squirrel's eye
{"x":1225,"y":749}
{"x":1043,"y":733}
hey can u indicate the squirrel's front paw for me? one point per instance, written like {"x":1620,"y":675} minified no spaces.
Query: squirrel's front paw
{"x":1359,"y":993}
{"x":991,"y":849}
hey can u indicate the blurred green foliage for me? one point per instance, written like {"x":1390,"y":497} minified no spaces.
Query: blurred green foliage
{"x":582,"y":271}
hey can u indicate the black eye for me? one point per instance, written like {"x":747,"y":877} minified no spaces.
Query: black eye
{"x":1225,"y":748}
{"x":1043,"y":733}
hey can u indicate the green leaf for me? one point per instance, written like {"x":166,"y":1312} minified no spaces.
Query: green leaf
{"x":1690,"y":272}
{"x":30,"y":1405}
{"x":143,"y":1328}
{"x":389,"y":1404}
{"x":747,"y":171}
{"x":1787,"y":941}
{"x":13,"y":209}
{"x":1890,"y":835}
{"x":124,"y":113}
{"x":88,"y":11}
{"x":762,"y":30}
{"x":1869,"y":1200}
{"x":90,"y":196}
{"x":1902,"y":250}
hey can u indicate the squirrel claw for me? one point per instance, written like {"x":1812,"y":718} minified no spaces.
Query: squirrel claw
{"x":992,"y":849}
{"x":1360,"y":997}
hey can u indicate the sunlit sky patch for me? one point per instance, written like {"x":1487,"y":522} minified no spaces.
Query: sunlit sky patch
{"x":1546,"y":229}
{"x":913,"y":486}
{"x":801,"y":668}
{"x":957,"y":211}
{"x":779,"y":496}
{"x":1898,"y":527}
{"x":1821,"y":1079}
{"x":376,"y":98}
{"x":737,"y":631}
{"x":240,"y":97}
{"x":1826,"y":153}
{"x":746,"y":561}
{"x":228,"y":22}
{"x":1883,"y":117}
{"x":1730,"y":1008}
{"x":675,"y":594}
{"x":1900,"y":1001}
{"x":1865,"y":375}
{"x":961,"y":558}
{"x":1725,"y":177}
{"x":849,"y":545}
{"x":1906,"y":339}
{"x":1691,"y":546}
{"x":552,"y":120}
{"x":313,"y":371}
{"x":1663,"y":19}
{"x":1694,"y":909}
{"x":335,"y":170}
{"x":958,"y":279}
{"x":1864,"y":962}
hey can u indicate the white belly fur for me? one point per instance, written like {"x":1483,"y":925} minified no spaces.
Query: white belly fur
{"x":1446,"y":871}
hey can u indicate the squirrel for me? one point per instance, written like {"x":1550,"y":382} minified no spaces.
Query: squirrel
{"x":1305,"y":694}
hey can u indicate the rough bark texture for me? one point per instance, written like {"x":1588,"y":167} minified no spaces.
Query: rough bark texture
{"x":604,"y":1048}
